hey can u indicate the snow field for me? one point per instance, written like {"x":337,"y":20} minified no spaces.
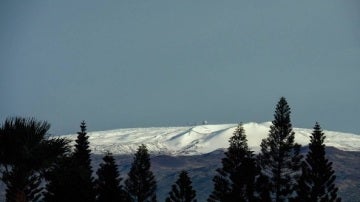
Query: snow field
{"x":201,"y":139}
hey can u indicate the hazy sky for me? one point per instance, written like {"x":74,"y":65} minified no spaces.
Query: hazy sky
{"x":127,"y":63}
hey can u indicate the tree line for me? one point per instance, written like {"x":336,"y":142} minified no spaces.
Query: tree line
{"x":35,"y":167}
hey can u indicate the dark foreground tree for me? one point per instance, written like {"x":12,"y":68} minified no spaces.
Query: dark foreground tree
{"x":317,"y":182}
{"x":141,"y":184}
{"x":71,"y":178}
{"x":61,"y":179}
{"x":26,"y":152}
{"x":82,"y":152}
{"x":280,"y":158}
{"x":81,"y":159}
{"x":182,"y":190}
{"x":235,"y":181}
{"x":108,"y":187}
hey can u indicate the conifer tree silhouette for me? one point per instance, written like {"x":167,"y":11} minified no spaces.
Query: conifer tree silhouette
{"x":71,"y":178}
{"x":182,"y":190}
{"x":141,"y":184}
{"x":62,"y":181}
{"x":317,"y":182}
{"x":81,"y":159}
{"x":108,"y":183}
{"x":280,"y":158}
{"x":235,"y":181}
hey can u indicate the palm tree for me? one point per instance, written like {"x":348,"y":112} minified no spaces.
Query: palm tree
{"x":26,"y":151}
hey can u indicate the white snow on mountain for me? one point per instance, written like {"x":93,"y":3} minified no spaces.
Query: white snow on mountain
{"x":200,"y":139}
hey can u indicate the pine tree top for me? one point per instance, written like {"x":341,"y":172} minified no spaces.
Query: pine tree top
{"x":238,"y":140}
{"x":108,"y":171}
{"x":82,"y":133}
{"x":109,"y":158}
{"x":282,"y":114}
{"x":182,"y":189}
{"x":318,"y":137}
{"x":142,"y":157}
{"x":108,"y":161}
{"x":82,"y":143}
{"x":83,"y":126}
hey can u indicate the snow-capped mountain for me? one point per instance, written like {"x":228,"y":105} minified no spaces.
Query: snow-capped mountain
{"x":200,"y":139}
{"x":196,"y":149}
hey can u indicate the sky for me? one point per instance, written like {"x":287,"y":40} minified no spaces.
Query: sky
{"x":119,"y":64}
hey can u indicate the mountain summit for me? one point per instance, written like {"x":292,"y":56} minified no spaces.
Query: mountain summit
{"x":200,"y":139}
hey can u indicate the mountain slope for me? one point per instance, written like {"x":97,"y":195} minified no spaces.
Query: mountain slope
{"x":199,"y":149}
{"x":201,"y":139}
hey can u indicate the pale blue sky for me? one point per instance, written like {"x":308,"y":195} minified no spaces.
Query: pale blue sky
{"x":145,"y":63}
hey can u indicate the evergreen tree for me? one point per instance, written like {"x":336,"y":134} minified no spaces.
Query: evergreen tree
{"x":81,"y":159}
{"x":235,"y":181}
{"x":82,"y":152}
{"x":141,"y":184}
{"x":182,"y":191}
{"x":222,"y":188}
{"x":263,"y":187}
{"x":317,"y":182}
{"x":280,"y":158}
{"x":62,"y":182}
{"x":26,"y":152}
{"x":71,"y":178}
{"x":108,"y":185}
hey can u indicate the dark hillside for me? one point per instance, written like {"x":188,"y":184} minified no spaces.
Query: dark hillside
{"x":202,"y":168}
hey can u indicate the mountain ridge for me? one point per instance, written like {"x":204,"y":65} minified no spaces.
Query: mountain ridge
{"x":199,"y":139}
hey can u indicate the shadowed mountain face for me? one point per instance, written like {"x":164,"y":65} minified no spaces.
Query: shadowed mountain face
{"x":202,"y":168}
{"x":347,"y":169}
{"x":166,"y":169}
